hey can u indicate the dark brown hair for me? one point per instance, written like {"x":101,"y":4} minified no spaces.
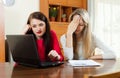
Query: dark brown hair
{"x":47,"y":36}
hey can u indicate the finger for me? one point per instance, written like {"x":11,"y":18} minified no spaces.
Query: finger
{"x":76,"y":18}
{"x":73,"y":26}
{"x":50,"y":56}
{"x":53,"y":53}
{"x":28,"y":26}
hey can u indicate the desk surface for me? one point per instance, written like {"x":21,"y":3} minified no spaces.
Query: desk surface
{"x":7,"y":70}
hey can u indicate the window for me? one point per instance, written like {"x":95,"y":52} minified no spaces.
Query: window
{"x":106,"y":21}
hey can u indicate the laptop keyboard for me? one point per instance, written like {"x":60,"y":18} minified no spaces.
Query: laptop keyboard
{"x":47,"y":64}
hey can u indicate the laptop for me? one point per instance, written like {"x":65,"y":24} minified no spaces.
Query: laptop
{"x":24,"y":51}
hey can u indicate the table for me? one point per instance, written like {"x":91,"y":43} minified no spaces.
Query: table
{"x":8,"y":70}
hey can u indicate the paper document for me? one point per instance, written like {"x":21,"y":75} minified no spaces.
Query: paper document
{"x":83,"y":63}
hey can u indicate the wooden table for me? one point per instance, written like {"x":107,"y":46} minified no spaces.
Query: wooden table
{"x":7,"y":70}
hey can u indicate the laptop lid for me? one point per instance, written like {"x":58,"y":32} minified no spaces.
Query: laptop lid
{"x":24,"y":51}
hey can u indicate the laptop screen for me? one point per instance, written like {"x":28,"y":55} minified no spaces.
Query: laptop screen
{"x":24,"y":51}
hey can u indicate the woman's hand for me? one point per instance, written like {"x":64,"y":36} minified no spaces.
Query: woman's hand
{"x":96,"y":57}
{"x":73,"y":25}
{"x":53,"y":55}
{"x":26,"y":28}
{"x":71,"y":29}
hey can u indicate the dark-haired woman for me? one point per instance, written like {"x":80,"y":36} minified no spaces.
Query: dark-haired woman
{"x":46,"y":39}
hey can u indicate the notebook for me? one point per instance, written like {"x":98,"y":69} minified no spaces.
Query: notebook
{"x":24,"y":51}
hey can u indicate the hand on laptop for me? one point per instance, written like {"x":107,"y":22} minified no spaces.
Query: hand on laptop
{"x":53,"y":55}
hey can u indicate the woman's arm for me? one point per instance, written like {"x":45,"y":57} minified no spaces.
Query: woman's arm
{"x":96,"y":57}
{"x":67,"y":42}
{"x":56,"y":51}
{"x":68,"y":51}
{"x":108,"y":52}
{"x":71,"y":29}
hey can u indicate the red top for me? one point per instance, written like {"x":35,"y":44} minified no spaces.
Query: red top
{"x":55,"y":44}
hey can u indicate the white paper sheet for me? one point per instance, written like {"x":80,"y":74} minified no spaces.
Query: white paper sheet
{"x":83,"y":63}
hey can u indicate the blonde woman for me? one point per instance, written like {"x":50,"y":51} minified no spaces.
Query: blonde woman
{"x":79,"y":43}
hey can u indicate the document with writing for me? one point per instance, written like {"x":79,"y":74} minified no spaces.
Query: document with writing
{"x":84,"y":63}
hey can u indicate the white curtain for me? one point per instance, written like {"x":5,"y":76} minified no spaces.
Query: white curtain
{"x":105,"y":21}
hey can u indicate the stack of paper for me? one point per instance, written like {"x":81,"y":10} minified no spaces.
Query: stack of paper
{"x":83,"y":63}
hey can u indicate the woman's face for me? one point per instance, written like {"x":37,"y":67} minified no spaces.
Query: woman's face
{"x":38,"y":27}
{"x":80,"y":26}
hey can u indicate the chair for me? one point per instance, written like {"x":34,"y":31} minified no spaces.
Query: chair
{"x":108,"y":75}
{"x":7,"y":55}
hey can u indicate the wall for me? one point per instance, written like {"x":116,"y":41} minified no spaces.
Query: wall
{"x":2,"y":46}
{"x":16,"y":16}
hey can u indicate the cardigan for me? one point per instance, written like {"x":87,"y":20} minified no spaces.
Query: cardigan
{"x":108,"y":53}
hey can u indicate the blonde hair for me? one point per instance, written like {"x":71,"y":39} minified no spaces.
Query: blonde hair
{"x":86,"y":33}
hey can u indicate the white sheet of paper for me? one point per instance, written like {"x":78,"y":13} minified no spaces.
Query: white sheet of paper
{"x":83,"y":63}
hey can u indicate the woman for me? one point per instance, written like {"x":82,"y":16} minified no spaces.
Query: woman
{"x":79,"y":43}
{"x":46,"y":39}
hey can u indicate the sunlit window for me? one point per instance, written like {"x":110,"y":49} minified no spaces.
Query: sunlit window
{"x":106,"y":23}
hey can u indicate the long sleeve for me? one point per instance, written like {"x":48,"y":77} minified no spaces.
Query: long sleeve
{"x":68,"y":52}
{"x":108,"y":52}
{"x":56,"y":45}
